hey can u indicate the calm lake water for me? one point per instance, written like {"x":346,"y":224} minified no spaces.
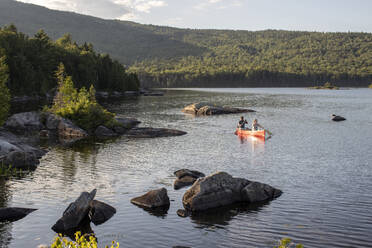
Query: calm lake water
{"x":324,"y":169}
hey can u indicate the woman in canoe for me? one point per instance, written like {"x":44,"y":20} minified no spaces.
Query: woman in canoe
{"x":256,"y":126}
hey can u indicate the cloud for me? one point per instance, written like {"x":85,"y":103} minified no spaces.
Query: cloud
{"x":221,"y":4}
{"x":108,"y":9}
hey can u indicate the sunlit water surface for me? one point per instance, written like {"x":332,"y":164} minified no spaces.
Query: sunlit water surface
{"x":323,"y":168}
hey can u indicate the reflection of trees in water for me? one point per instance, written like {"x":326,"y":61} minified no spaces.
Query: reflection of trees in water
{"x":5,"y":228}
{"x":223,"y":215}
{"x":83,"y":153}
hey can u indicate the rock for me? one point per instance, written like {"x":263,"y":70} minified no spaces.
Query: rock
{"x":221,"y":189}
{"x":43,"y":246}
{"x":75,"y":213}
{"x":211,"y":109}
{"x":148,"y":132}
{"x":183,"y":182}
{"x":14,"y":214}
{"x":52,"y":121}
{"x":100,"y":212}
{"x":24,"y":122}
{"x":258,"y":192}
{"x":185,"y":178}
{"x":21,"y":160}
{"x":125,"y":124}
{"x":14,"y":152}
{"x":104,"y":132}
{"x":337,"y":118}
{"x":183,"y":213}
{"x":68,"y":130}
{"x":152,"y":199}
{"x":186,"y":172}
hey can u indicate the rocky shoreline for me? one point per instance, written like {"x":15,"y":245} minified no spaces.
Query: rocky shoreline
{"x":22,"y":133}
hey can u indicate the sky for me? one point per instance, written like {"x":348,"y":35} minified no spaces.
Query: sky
{"x":309,"y":15}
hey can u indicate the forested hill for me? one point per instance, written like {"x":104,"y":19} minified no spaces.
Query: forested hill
{"x":172,"y":57}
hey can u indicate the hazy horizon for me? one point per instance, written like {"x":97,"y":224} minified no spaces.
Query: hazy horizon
{"x":314,"y":15}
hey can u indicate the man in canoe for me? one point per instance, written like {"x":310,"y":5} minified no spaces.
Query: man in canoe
{"x":242,"y":123}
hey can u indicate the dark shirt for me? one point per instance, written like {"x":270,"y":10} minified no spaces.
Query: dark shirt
{"x":242,"y":123}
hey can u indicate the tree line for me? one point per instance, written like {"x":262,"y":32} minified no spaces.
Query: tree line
{"x":32,"y":61}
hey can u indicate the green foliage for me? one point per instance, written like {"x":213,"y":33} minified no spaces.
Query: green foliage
{"x":4,"y":91}
{"x":326,"y":86}
{"x":81,"y":242}
{"x":370,"y":86}
{"x":173,"y":57}
{"x":32,"y":61}
{"x":9,"y":171}
{"x":287,"y":243}
{"x":79,"y":106}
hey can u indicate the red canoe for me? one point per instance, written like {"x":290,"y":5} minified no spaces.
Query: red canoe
{"x":245,"y":132}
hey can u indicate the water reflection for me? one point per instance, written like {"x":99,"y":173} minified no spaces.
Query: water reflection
{"x":158,"y":212}
{"x":5,"y":228}
{"x":257,"y":143}
{"x":220,"y":217}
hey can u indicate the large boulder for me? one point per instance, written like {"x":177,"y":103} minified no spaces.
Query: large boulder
{"x":75,"y":213}
{"x":185,"y":178}
{"x":204,"y":108}
{"x":100,"y":212}
{"x":24,"y":122}
{"x":14,"y":152}
{"x":221,"y":189}
{"x":152,"y":199}
{"x":52,"y":121}
{"x":68,"y":130}
{"x":14,"y":214}
{"x":104,"y":132}
{"x":148,"y":132}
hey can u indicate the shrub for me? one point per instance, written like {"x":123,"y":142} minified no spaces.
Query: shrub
{"x":79,"y":106}
{"x":4,"y":91}
{"x":370,"y":86}
{"x":81,"y":242}
{"x":287,"y":243}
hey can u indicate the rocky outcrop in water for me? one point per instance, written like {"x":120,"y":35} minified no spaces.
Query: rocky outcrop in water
{"x":185,"y":178}
{"x":337,"y":118}
{"x":149,"y":132}
{"x":24,"y":122}
{"x":152,"y":199}
{"x":104,"y":132}
{"x":203,"y":108}
{"x":221,"y":189}
{"x":82,"y":209}
{"x":14,"y":214}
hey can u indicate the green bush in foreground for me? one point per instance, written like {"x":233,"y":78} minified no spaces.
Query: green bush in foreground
{"x":81,"y":242}
{"x":370,"y":86}
{"x":287,"y":243}
{"x":79,"y":106}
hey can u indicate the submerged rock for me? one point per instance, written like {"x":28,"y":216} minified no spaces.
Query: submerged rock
{"x":337,"y":118}
{"x":148,"y":132}
{"x":211,"y":109}
{"x":14,"y":214}
{"x":221,"y":189}
{"x":75,"y":213}
{"x":125,"y":124}
{"x":100,"y":212}
{"x":152,"y":199}
{"x":186,"y":172}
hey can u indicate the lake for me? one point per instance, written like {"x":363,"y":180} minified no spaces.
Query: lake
{"x":324,"y":169}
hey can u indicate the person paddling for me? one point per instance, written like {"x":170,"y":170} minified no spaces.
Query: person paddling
{"x":242,"y":122}
{"x":256,"y":127}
